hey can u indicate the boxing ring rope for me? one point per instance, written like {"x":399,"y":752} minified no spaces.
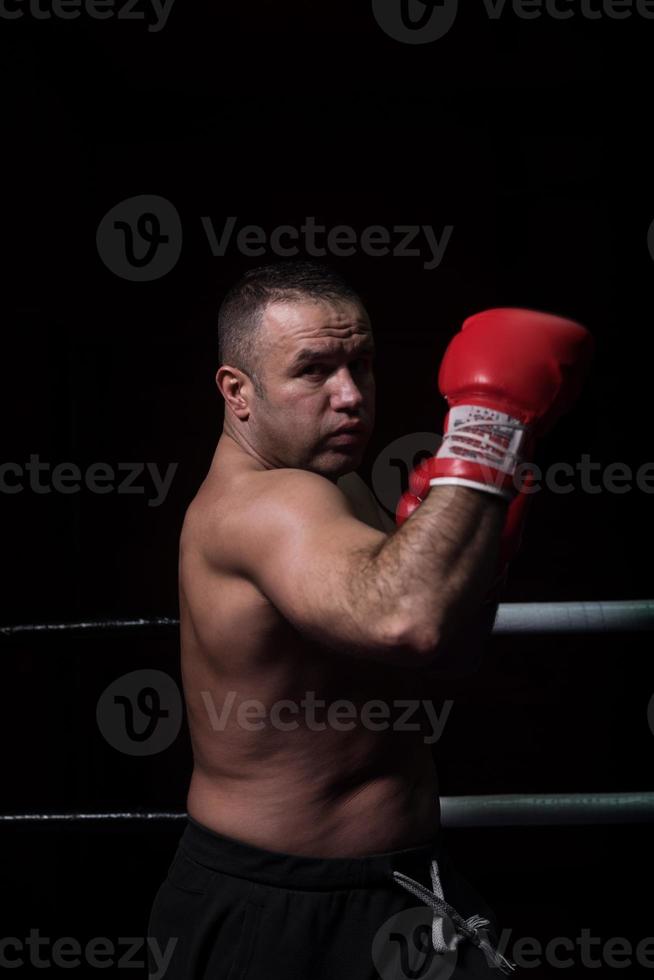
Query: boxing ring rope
{"x":92,"y":626}
{"x":503,"y":810}
{"x":513,"y":619}
{"x":574,"y":617}
{"x":483,"y":811}
{"x":550,"y":810}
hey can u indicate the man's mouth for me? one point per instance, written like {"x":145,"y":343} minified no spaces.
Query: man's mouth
{"x":347,"y":435}
{"x":352,"y":428}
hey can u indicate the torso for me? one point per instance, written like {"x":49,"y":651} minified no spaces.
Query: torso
{"x":312,"y":789}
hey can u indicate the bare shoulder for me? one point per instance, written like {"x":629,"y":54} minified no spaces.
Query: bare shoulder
{"x":291,"y":537}
{"x":235,"y":513}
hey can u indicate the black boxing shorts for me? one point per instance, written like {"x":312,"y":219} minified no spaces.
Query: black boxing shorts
{"x":229,"y":911}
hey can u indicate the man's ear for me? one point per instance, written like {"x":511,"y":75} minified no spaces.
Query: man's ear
{"x":364,"y":504}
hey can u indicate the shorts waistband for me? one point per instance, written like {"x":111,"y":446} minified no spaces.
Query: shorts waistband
{"x":234,"y":857}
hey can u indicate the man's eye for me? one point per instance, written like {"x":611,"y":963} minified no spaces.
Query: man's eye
{"x":313,"y":369}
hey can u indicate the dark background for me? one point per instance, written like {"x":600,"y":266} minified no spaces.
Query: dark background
{"x":531,"y":138}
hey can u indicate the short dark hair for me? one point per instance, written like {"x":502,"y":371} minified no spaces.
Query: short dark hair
{"x":242,"y":309}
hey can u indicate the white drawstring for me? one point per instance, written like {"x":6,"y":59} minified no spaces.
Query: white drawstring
{"x":472,"y":928}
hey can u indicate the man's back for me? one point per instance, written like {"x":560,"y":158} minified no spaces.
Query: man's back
{"x":290,"y":770}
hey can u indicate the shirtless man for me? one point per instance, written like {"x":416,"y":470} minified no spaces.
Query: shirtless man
{"x":314,"y":816}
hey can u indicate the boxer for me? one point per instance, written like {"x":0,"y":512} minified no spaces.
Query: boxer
{"x":312,"y":848}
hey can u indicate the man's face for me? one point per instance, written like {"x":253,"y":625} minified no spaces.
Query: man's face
{"x":316,"y":368}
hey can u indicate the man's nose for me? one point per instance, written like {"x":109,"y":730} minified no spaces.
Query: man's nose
{"x":345,"y":391}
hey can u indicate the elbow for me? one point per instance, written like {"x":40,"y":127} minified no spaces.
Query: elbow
{"x":417,"y":643}
{"x":426,"y":646}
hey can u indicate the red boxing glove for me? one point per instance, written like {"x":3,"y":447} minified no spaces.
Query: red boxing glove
{"x":507,"y":376}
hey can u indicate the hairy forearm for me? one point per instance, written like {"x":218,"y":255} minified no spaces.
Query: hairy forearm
{"x":435,"y":570}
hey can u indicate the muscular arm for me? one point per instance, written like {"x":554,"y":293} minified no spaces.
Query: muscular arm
{"x":463,"y":652}
{"x":398,"y":597}
{"x":445,"y":557}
